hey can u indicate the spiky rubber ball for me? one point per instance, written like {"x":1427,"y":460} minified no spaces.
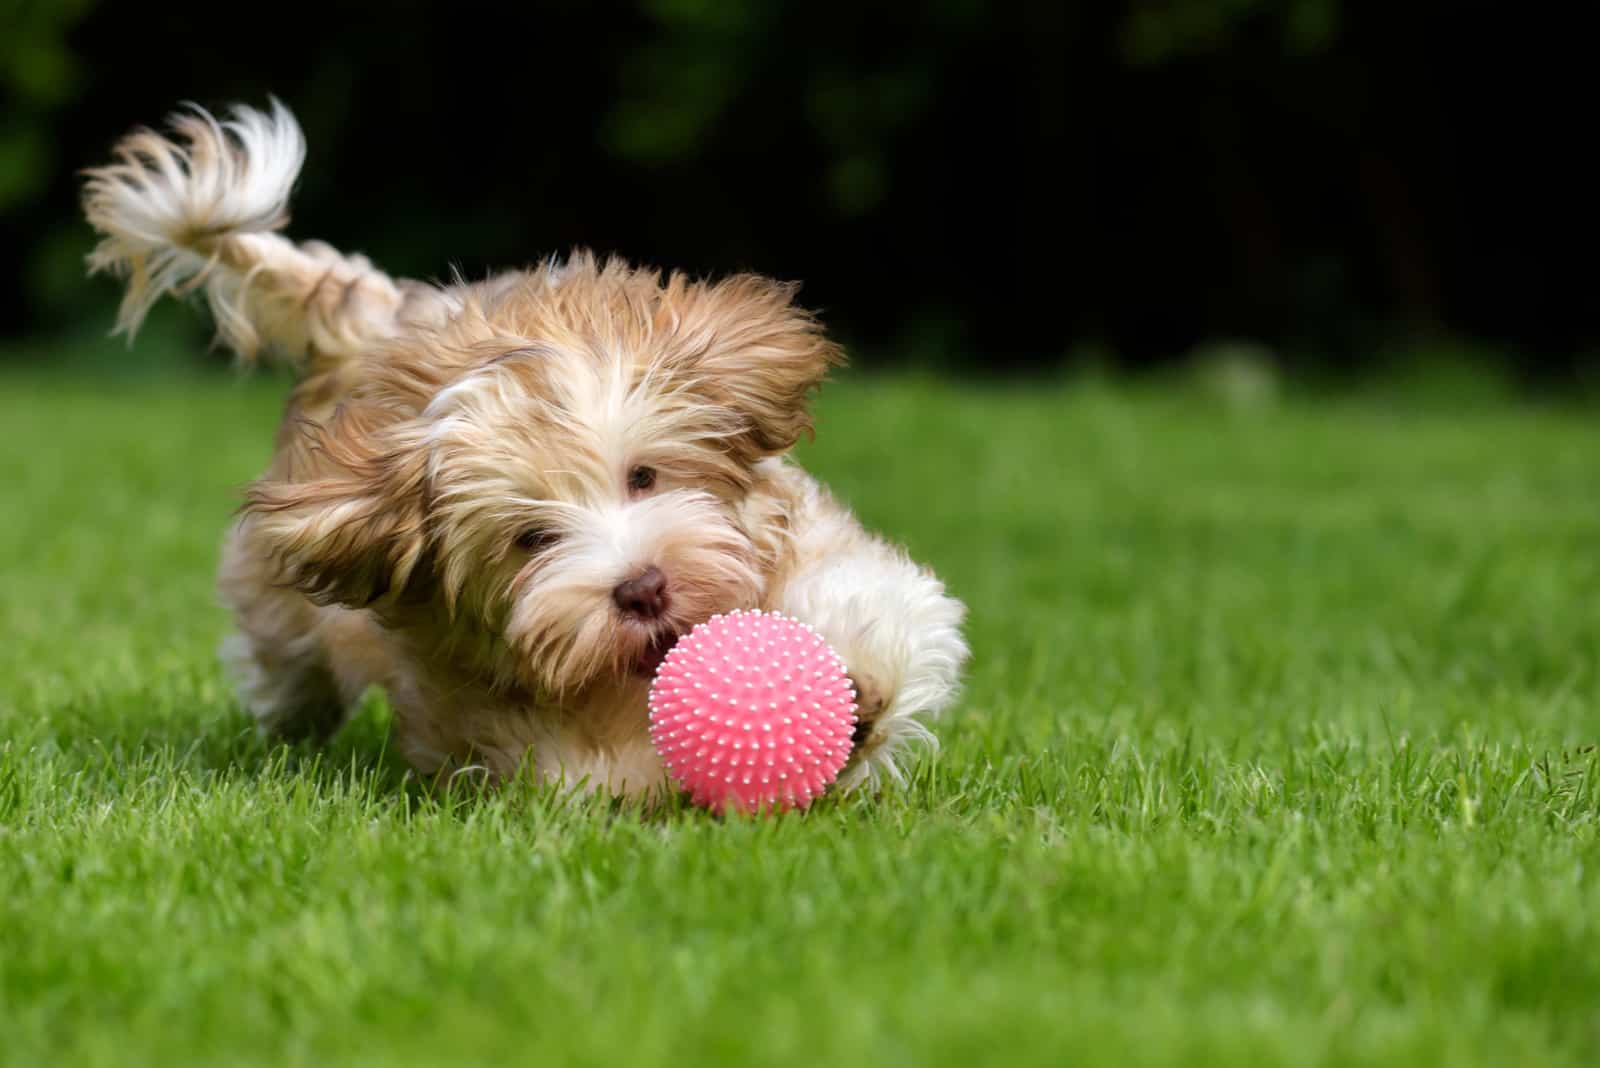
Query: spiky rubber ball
{"x":753,"y":709}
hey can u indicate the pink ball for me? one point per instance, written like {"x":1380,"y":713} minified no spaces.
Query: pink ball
{"x":753,"y":708}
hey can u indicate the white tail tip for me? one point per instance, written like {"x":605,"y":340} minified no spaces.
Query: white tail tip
{"x":168,"y":204}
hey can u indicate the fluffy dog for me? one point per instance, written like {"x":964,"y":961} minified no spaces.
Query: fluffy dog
{"x":503,"y":501}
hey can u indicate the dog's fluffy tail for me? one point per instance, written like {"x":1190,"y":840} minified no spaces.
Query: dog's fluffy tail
{"x":199,"y":207}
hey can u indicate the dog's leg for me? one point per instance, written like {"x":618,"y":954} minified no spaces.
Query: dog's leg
{"x":277,"y":655}
{"x":897,"y":630}
{"x":199,"y":207}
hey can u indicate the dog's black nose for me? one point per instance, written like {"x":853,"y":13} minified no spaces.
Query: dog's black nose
{"x":644,"y":595}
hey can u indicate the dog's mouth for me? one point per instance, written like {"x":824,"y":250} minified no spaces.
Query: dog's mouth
{"x":649,"y":661}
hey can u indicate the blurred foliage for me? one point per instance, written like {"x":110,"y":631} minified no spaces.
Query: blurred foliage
{"x":38,"y":76}
{"x":979,"y":184}
{"x":1157,"y":31}
{"x":679,"y":85}
{"x":706,"y":54}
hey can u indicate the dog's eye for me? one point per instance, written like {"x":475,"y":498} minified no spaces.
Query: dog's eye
{"x":535,"y":538}
{"x":641,"y":479}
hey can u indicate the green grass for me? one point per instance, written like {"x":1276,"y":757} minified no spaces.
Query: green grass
{"x":1278,"y":748}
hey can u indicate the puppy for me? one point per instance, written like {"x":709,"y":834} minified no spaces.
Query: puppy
{"x":503,"y":501}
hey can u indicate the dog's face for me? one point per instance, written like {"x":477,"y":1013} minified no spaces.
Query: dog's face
{"x":558,"y":479}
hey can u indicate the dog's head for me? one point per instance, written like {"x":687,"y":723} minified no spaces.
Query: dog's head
{"x":559,"y":478}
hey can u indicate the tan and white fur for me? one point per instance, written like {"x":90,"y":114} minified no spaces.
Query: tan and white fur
{"x":502,"y":501}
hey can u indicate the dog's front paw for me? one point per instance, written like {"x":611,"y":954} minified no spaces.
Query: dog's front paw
{"x":904,"y":670}
{"x":887,"y":729}
{"x":899,"y":635}
{"x":870,"y":704}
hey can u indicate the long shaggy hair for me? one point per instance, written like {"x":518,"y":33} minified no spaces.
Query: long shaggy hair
{"x":503,"y":501}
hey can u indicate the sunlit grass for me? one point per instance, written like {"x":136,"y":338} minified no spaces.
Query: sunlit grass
{"x":1277,"y":748}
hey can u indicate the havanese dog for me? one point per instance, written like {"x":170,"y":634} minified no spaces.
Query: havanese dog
{"x":503,"y":501}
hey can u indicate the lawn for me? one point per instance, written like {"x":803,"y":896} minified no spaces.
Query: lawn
{"x":1278,"y":748}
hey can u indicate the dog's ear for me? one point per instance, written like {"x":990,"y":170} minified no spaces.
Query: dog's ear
{"x":343,"y":517}
{"x":747,"y":348}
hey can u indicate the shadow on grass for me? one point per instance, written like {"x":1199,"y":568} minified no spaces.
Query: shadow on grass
{"x":109,"y":738}
{"x":107,"y":747}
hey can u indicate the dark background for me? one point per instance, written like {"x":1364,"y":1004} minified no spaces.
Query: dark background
{"x":971,"y":185}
